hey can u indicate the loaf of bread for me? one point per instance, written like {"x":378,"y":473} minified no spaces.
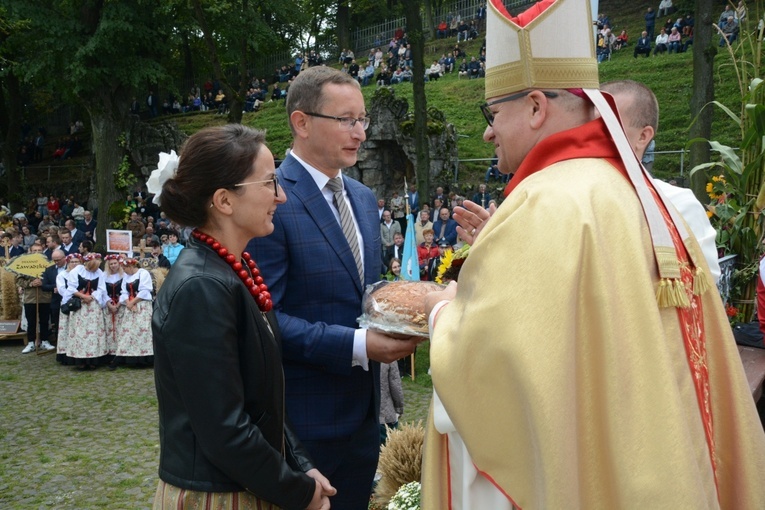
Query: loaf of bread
{"x":398,"y":307}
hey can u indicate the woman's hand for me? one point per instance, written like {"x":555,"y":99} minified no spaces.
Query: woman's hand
{"x":87,"y":298}
{"x":471,"y":218}
{"x":324,"y":489}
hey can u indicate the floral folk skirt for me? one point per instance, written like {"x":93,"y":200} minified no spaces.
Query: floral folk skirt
{"x":170,"y":497}
{"x":112,"y":325}
{"x":87,"y":332}
{"x":134,"y":336}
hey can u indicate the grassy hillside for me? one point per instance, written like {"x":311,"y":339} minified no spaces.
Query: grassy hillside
{"x":670,"y":76}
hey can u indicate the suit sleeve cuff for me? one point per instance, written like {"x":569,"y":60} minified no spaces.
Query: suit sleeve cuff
{"x":360,"y":358}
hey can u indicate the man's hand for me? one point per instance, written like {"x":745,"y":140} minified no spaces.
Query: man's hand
{"x":471,"y":218}
{"x":433,"y":298}
{"x":324,"y":489}
{"x":387,"y":349}
{"x":36,"y":282}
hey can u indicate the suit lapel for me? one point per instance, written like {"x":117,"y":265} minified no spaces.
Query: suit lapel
{"x":305,"y":190}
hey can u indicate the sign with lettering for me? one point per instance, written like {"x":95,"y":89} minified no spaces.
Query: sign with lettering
{"x":30,"y":264}
{"x":9,"y":327}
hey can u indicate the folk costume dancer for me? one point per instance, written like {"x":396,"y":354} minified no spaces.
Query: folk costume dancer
{"x":598,"y":370}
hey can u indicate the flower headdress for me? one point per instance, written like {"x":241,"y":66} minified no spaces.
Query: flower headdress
{"x":129,"y":262}
{"x":166,"y":168}
{"x":91,"y":256}
{"x":73,"y":256}
{"x":113,"y":256}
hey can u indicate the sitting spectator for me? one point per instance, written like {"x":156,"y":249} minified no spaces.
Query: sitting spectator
{"x":173,"y":248}
{"x":384,"y":76}
{"x":16,"y":248}
{"x":665,"y":8}
{"x":434,"y":72}
{"x":445,"y":228}
{"x":602,"y":21}
{"x":150,"y":237}
{"x":397,"y":76}
{"x":643,"y":45}
{"x":276,"y":94}
{"x":463,"y":69}
{"x":157,"y":255}
{"x":729,"y":31}
{"x":621,"y":40}
{"x":482,"y":197}
{"x":687,"y":44}
{"x":406,"y":74}
{"x":493,"y":171}
{"x":662,"y":40}
{"x":449,"y":64}
{"x":741,"y":12}
{"x":28,"y":238}
{"x":463,"y":31}
{"x":442,"y":31}
{"x":473,"y":68}
{"x":136,"y":226}
{"x":427,"y":252}
{"x":674,"y":41}
{"x":606,"y":42}
{"x":369,"y":73}
{"x":454,"y":25}
{"x":668,"y":25}
{"x":473,"y":30}
{"x":353,"y":69}
{"x":688,"y":25}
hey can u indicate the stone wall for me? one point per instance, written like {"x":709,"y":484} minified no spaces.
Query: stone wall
{"x":388,"y":155}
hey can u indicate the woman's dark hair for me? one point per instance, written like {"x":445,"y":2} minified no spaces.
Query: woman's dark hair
{"x":88,"y":245}
{"x":211,"y":159}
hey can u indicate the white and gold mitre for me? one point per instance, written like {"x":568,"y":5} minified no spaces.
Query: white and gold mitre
{"x":554,"y":49}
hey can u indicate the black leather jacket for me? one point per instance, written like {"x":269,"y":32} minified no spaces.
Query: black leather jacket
{"x":220,"y":387}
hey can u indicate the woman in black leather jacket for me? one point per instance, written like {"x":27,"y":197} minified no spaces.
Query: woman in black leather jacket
{"x":224,"y":437}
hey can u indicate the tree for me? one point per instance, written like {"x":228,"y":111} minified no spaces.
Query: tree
{"x":417,"y":40}
{"x":95,"y":52}
{"x":704,"y":52}
{"x":10,"y":103}
{"x":235,"y":31}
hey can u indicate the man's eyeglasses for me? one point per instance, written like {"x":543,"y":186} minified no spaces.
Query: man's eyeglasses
{"x":274,"y":179}
{"x":489,"y":115}
{"x":346,"y":123}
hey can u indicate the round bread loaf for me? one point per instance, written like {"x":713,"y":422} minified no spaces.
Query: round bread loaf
{"x":400,"y":303}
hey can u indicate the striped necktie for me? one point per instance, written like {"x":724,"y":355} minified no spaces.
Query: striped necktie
{"x":346,"y":222}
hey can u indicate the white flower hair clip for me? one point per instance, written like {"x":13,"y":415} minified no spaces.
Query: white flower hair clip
{"x":168,"y":164}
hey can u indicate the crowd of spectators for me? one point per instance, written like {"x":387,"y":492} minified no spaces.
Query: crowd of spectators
{"x":435,"y":230}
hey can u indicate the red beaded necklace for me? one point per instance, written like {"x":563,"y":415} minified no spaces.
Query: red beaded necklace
{"x":247,"y":272}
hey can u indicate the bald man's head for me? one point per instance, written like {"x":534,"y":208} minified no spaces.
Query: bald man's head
{"x":638,"y":109}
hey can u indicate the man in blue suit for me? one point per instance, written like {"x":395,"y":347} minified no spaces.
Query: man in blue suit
{"x":324,"y":251}
{"x":445,"y":228}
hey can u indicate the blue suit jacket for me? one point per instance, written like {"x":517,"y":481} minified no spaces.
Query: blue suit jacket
{"x":314,"y":283}
{"x":450,"y":232}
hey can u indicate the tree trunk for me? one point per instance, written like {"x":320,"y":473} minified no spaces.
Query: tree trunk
{"x":343,"y":25}
{"x":429,"y":18}
{"x":704,"y":52}
{"x":234,"y":99}
{"x":417,"y":40}
{"x":10,"y":124}
{"x":107,"y":118}
{"x":188,"y":60}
